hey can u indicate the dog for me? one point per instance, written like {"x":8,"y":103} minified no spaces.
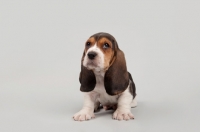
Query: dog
{"x":105,"y":80}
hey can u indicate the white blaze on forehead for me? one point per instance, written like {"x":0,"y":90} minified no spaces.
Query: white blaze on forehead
{"x":93,"y":48}
{"x":99,"y":59}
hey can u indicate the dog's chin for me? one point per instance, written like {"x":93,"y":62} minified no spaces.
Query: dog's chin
{"x":92,"y":66}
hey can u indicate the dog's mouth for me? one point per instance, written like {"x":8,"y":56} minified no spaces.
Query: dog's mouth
{"x":91,"y":63}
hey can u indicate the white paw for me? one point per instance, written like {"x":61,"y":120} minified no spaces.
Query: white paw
{"x":84,"y":114}
{"x":122,"y":114}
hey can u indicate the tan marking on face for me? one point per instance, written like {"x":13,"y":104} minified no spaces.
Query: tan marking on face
{"x":108,"y":52}
{"x":92,"y":41}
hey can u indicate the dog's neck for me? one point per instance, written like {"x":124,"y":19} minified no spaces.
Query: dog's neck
{"x":100,"y":73}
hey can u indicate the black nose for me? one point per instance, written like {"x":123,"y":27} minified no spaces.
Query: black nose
{"x":91,"y":55}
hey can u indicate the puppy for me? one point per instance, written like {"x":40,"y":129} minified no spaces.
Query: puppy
{"x":105,"y":80}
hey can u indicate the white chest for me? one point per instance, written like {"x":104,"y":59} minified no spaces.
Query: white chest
{"x":102,"y":96}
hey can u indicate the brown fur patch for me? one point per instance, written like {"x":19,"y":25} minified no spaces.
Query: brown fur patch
{"x":108,"y":52}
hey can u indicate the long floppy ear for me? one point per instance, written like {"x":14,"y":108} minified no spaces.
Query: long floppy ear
{"x":86,"y":78}
{"x":116,"y":78}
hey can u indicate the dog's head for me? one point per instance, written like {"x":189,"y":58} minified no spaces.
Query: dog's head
{"x":102,"y":53}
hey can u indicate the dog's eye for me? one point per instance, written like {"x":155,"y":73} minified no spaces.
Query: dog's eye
{"x":106,"y":45}
{"x":88,"y":44}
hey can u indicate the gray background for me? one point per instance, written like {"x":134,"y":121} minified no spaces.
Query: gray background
{"x":41,"y":43}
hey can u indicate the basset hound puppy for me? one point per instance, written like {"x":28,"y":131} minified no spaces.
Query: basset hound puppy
{"x":105,"y":80}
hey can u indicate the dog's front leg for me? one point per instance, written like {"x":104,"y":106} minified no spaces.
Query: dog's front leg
{"x":87,"y":112}
{"x":123,"y":111}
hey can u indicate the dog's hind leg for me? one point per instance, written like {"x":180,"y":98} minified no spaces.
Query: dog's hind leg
{"x":134,"y":102}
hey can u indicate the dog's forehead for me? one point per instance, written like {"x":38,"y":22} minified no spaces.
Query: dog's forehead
{"x":100,"y":35}
{"x":101,"y":38}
